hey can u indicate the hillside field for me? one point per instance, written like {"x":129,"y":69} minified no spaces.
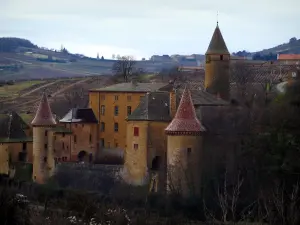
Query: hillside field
{"x":63,"y":94}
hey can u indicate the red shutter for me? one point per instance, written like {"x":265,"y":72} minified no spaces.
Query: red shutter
{"x":136,"y":131}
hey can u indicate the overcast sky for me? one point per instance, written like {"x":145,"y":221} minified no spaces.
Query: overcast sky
{"x":147,"y":27}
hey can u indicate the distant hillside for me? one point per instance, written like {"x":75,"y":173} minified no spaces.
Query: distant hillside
{"x":11,"y":44}
{"x":291,"y":47}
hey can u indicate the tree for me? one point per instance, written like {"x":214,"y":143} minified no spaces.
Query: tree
{"x":241,"y":76}
{"x":124,"y":66}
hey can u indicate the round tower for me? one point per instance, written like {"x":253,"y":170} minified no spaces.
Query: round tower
{"x":217,"y":66}
{"x":42,"y":121}
{"x":184,"y":149}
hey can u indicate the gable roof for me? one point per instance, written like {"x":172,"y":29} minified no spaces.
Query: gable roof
{"x":12,"y":128}
{"x":217,"y":44}
{"x":132,"y":87}
{"x":79,"y":115}
{"x":185,"y":121}
{"x":153,"y":107}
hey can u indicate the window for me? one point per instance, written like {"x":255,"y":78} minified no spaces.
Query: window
{"x":63,"y":135}
{"x":102,"y":126}
{"x":102,"y":97}
{"x":116,"y":110}
{"x":128,"y":110}
{"x":135,"y":146}
{"x":90,"y":138}
{"x":129,"y":98}
{"x":136,"y":131}
{"x":75,"y":138}
{"x":101,"y":142}
{"x":46,"y":146}
{"x":45,"y":159}
{"x":189,"y":150}
{"x":102,"y":110}
{"x":116,"y":97}
{"x":82,"y":125}
{"x":116,"y":127}
{"x":116,"y":144}
{"x":46,"y":132}
{"x":24,"y":146}
{"x":221,"y":57}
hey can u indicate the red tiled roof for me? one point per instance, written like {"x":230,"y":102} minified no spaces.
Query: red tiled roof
{"x":288,"y":57}
{"x":185,"y":121}
{"x":43,"y":116}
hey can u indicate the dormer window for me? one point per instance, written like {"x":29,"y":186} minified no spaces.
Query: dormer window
{"x":221,"y":57}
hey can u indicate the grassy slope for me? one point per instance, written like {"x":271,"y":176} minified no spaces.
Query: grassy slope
{"x":33,"y":69}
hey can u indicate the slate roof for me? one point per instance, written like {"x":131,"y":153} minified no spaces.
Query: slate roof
{"x":79,"y":115}
{"x":12,"y":128}
{"x":153,"y":107}
{"x":43,"y":116}
{"x":132,"y":87}
{"x":185,"y":121}
{"x":217,"y":44}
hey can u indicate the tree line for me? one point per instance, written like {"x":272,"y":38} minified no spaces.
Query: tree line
{"x":11,"y":44}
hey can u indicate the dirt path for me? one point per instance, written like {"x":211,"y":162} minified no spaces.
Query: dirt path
{"x":26,"y":63}
{"x":70,"y":86}
{"x":39,"y":88}
{"x":33,"y":101}
{"x":30,"y":92}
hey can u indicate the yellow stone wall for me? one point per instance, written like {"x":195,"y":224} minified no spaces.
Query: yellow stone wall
{"x":152,"y":142}
{"x":217,"y":74}
{"x":61,"y":145}
{"x":136,"y":159}
{"x":40,"y":140}
{"x":4,"y":159}
{"x":50,"y":153}
{"x":111,"y":138}
{"x":184,"y":168}
{"x":15,"y":148}
{"x":83,"y":133}
{"x":173,"y":103}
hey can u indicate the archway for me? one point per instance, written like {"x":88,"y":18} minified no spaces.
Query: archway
{"x":82,"y":155}
{"x":156,"y":163}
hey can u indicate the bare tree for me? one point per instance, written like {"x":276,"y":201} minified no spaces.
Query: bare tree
{"x":242,"y":74}
{"x":124,"y":66}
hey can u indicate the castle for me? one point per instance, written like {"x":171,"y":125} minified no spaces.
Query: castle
{"x":159,"y":130}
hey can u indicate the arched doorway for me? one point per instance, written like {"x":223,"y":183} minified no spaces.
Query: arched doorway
{"x":156,"y":163}
{"x":82,"y":155}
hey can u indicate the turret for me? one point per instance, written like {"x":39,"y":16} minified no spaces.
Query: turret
{"x":217,"y":66}
{"x":42,"y":121}
{"x":184,"y":149}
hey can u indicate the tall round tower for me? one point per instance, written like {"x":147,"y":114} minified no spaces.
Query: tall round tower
{"x":217,"y":66}
{"x":184,"y":149}
{"x":41,"y":123}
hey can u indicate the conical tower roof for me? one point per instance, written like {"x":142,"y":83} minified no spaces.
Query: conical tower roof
{"x":185,"y":121}
{"x":217,"y":44}
{"x":43,"y":116}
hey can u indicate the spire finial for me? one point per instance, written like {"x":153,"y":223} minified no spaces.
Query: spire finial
{"x":217,"y":18}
